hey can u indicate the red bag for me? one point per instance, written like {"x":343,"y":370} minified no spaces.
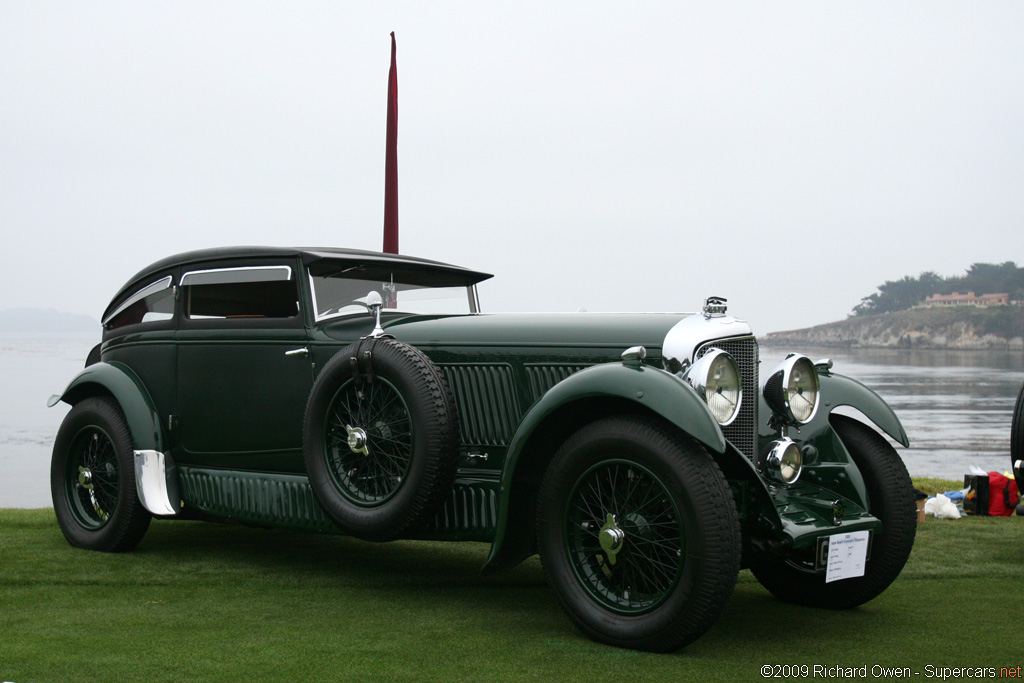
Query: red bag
{"x":1002,"y":495}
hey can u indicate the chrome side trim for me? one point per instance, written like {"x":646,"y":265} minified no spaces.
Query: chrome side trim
{"x":220,"y":276}
{"x":157,"y":491}
{"x":151,"y":288}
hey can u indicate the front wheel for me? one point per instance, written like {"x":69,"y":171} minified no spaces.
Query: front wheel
{"x":92,"y":479}
{"x":890,"y":499}
{"x":638,"y":534}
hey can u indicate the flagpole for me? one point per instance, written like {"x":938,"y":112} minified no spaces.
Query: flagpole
{"x":391,"y":160}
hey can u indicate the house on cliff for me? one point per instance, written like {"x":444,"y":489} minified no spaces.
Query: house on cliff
{"x":968,"y":299}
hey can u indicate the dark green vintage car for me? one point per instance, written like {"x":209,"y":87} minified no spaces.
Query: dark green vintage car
{"x":366,"y":394}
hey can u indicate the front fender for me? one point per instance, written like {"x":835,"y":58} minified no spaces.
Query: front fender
{"x":839,"y":390}
{"x":649,"y":388}
{"x":128,"y":390}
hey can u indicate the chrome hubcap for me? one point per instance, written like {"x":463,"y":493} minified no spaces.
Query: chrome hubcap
{"x":85,"y":482}
{"x":357,"y":440}
{"x":611,"y":538}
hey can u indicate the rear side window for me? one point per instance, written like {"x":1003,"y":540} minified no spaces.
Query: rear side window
{"x":152,"y":303}
{"x":246,"y":292}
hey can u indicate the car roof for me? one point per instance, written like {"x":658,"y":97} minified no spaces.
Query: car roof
{"x":307,"y":254}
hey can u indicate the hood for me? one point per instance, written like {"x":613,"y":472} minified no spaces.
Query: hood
{"x":614,"y":331}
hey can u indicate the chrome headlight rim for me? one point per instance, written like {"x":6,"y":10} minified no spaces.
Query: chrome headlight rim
{"x":778,"y":388}
{"x":783,"y":461}
{"x":700,"y":376}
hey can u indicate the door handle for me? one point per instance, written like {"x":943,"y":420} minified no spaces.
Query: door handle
{"x":298,"y":352}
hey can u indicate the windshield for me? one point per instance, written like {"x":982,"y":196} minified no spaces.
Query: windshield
{"x":341,"y":289}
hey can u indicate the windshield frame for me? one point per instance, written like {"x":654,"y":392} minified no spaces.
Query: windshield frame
{"x":472,"y":295}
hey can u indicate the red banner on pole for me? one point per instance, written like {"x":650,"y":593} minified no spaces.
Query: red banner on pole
{"x":391,"y":160}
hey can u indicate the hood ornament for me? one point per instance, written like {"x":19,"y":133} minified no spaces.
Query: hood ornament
{"x":715,"y":306}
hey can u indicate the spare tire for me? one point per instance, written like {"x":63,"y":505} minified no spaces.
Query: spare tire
{"x":381,"y":439}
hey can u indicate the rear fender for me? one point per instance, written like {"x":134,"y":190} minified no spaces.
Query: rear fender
{"x":156,"y":478}
{"x":119,"y":381}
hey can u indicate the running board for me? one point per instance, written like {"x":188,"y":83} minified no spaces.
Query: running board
{"x":157,"y":483}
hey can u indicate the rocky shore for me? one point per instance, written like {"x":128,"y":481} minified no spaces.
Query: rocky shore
{"x":961,"y":328}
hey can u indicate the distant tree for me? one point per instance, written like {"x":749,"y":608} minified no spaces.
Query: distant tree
{"x":981,"y":278}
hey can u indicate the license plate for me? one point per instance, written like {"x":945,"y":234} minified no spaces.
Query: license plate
{"x":843,"y":556}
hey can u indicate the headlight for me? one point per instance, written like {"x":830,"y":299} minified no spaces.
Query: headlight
{"x":716,"y":377}
{"x":791,"y":389}
{"x":783,"y":461}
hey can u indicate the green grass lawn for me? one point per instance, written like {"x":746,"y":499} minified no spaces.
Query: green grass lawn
{"x":206,"y":602}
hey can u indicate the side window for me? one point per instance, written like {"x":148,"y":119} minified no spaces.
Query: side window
{"x":152,"y":303}
{"x":246,"y":292}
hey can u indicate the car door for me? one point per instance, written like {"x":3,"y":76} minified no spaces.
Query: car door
{"x":244,"y":371}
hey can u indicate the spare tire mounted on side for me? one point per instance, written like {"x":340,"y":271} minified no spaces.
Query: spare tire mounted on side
{"x":380,"y":438}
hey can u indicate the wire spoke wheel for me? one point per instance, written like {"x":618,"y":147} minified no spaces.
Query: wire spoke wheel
{"x":638,"y":533}
{"x":381,"y":439}
{"x":369,"y":441}
{"x":624,"y":537}
{"x":92,"y":477}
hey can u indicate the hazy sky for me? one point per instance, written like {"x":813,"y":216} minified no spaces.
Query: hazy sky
{"x":616,"y":156}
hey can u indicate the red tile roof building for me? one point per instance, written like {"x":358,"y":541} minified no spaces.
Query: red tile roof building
{"x":968,"y":299}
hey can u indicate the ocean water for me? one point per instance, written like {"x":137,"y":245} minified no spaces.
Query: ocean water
{"x":31,"y":369}
{"x":956,"y":406}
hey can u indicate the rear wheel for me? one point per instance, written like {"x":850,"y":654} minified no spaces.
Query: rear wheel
{"x":92,"y":479}
{"x":638,"y":534}
{"x":890,"y":499}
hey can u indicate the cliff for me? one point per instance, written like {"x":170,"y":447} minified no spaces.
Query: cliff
{"x":962,"y":327}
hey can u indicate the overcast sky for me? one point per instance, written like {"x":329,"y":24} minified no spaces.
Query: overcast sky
{"x":616,"y":156}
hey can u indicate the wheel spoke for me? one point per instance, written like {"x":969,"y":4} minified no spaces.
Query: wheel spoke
{"x":644,"y":556}
{"x":92,"y":477}
{"x":379,"y":411}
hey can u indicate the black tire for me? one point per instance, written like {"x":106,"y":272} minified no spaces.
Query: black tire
{"x":92,"y":479}
{"x":402,"y":461}
{"x":890,"y":499}
{"x":1017,"y":440}
{"x":664,"y":495}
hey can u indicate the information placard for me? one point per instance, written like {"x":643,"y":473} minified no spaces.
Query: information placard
{"x":847,"y":554}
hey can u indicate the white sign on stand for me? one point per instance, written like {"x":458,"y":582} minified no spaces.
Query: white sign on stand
{"x":847,"y":554}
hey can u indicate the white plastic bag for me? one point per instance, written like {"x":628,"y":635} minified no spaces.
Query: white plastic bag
{"x":941,"y":507}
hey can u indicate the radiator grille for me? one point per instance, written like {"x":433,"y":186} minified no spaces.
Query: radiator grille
{"x":742,"y":433}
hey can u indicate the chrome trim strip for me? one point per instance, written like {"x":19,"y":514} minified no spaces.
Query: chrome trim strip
{"x":157,"y":494}
{"x":151,"y":288}
{"x":245,"y":274}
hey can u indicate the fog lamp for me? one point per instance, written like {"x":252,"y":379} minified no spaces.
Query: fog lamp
{"x":783,"y":461}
